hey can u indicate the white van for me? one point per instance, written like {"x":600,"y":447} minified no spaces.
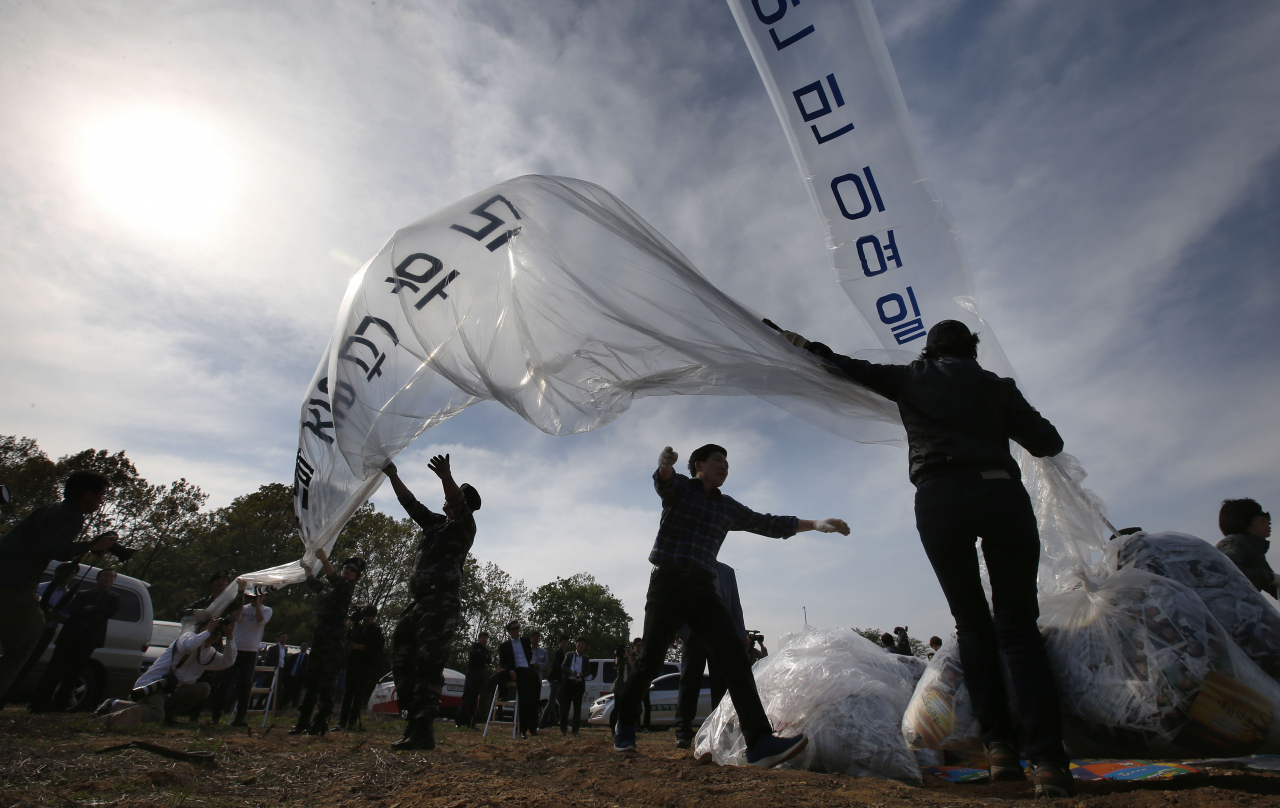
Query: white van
{"x":113,"y":668}
{"x":599,"y":681}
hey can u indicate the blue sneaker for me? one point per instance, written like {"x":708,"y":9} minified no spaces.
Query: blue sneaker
{"x":771,"y":750}
{"x":624,"y":738}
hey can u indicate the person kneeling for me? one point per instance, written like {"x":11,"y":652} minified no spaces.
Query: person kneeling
{"x":169,"y":687}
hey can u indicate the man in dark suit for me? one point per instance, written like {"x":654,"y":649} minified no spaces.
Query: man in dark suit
{"x":477,"y":661}
{"x":295,"y":669}
{"x":83,"y":633}
{"x":555,"y":676}
{"x":515,"y":658}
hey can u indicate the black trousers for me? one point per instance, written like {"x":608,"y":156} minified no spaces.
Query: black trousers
{"x":692,"y":661}
{"x":953,"y":510}
{"x":70,"y":656}
{"x":241,"y":678}
{"x":553,"y":702}
{"x":529,"y":688}
{"x":472,"y":689}
{"x":688,"y":596}
{"x":359,"y":685}
{"x":571,"y":693}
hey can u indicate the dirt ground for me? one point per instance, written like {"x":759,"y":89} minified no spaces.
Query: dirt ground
{"x":52,"y":761}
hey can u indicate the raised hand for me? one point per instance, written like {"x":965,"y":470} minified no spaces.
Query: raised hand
{"x":440,"y":465}
{"x":668,"y":458}
{"x":831,"y":526}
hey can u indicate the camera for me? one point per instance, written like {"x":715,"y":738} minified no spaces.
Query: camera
{"x":165,"y":684}
{"x":122,"y":552}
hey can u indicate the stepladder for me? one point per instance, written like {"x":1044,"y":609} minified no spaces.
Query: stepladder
{"x":495,"y":704}
{"x":267,"y":692}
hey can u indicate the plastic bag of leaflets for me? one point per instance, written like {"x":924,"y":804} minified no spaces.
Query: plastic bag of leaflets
{"x":1242,"y":610}
{"x":940,"y":715}
{"x":1143,"y":667}
{"x":842,"y":691}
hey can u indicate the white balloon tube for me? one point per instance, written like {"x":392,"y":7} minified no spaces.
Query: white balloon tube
{"x":893,"y":246}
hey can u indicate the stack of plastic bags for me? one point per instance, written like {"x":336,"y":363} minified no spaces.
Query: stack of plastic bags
{"x":1242,"y":610}
{"x":1144,"y":667}
{"x":940,"y":714}
{"x":842,"y":691}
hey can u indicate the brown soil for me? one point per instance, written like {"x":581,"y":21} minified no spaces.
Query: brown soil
{"x":51,"y":761}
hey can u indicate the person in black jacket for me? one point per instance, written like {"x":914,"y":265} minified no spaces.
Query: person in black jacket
{"x":1246,"y":529}
{"x":574,"y":669}
{"x":477,"y":661}
{"x":555,"y":676}
{"x":45,"y":534}
{"x":363,"y":664}
{"x":84,"y":632}
{"x":515,"y":665}
{"x":328,"y":645}
{"x":959,"y":420}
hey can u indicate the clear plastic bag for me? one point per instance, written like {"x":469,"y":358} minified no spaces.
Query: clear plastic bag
{"x":940,"y":714}
{"x":1242,"y":610}
{"x":842,"y":691}
{"x":1144,"y":668}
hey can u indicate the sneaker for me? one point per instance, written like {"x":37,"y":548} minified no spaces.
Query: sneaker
{"x":1004,"y":764}
{"x":684,"y":743}
{"x":624,"y":738}
{"x":771,"y":750}
{"x":1053,"y":781}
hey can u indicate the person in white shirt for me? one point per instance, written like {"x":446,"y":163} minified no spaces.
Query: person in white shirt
{"x":253,"y":621}
{"x":169,"y":687}
{"x":573,"y":686}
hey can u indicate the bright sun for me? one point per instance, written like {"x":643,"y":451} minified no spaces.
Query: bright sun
{"x":157,"y":169}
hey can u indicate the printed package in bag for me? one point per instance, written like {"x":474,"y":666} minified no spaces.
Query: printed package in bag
{"x":1144,"y":668}
{"x":1242,"y":610}
{"x":940,"y":714}
{"x":838,"y":688}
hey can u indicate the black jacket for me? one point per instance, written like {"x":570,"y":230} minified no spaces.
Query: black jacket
{"x":507,"y":657}
{"x":1249,"y":553}
{"x":292,"y":660}
{"x":479,"y":658}
{"x":87,"y":618}
{"x":555,"y":674}
{"x":957,"y":415}
{"x":273,"y":655}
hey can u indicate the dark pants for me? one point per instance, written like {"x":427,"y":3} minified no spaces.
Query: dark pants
{"x":952,"y":510}
{"x":571,"y":693}
{"x":359,"y":685}
{"x":292,"y":686}
{"x":692,"y":662}
{"x":69,"y":660}
{"x":326,"y":660}
{"x":472,"y":689}
{"x":528,"y":688}
{"x":419,"y":650}
{"x":36,"y":652}
{"x":240,"y":678}
{"x":688,"y":596}
{"x":553,"y":702}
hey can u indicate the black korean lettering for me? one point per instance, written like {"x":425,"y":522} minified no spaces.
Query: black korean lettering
{"x":493,"y":224}
{"x":437,"y":290}
{"x":405,"y":279}
{"x":302,"y":472}
{"x":319,"y":425}
{"x":865,"y":210}
{"x":775,"y":16}
{"x":893,"y":311}
{"x":889,"y":250}
{"x":824,"y":109}
{"x":358,"y":338}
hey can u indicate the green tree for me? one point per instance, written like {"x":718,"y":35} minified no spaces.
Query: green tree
{"x":30,"y":476}
{"x":580,"y":606}
{"x":491,"y":598}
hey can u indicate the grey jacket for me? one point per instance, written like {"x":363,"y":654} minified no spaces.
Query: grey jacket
{"x":1249,"y":553}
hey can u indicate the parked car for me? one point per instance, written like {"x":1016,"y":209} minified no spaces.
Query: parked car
{"x":663,"y":697}
{"x":599,"y":681}
{"x":113,"y":668}
{"x":383,"y":702}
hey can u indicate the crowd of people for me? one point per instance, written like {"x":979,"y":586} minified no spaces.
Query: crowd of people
{"x":959,"y":420}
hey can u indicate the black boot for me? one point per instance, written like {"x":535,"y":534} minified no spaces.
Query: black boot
{"x":320,"y":724}
{"x":304,"y":718}
{"x":409,"y":726}
{"x":423,"y":736}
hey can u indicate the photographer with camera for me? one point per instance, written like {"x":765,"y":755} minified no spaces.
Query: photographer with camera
{"x":169,"y":687}
{"x":46,"y":534}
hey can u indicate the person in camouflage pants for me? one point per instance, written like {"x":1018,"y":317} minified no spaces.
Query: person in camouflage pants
{"x":329,"y":645}
{"x":421,"y":640}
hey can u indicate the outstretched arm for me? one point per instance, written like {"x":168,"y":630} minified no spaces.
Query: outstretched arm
{"x":397,"y":485}
{"x":823,"y":526}
{"x":324,"y":559}
{"x":666,"y":461}
{"x":440,"y":465}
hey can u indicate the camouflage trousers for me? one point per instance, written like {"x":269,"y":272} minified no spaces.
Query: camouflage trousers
{"x":419,"y":651}
{"x":327,"y":659}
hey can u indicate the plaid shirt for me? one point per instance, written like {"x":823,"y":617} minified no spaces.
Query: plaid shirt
{"x":694,"y":523}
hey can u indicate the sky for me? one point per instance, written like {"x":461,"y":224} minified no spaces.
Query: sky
{"x":186,"y":188}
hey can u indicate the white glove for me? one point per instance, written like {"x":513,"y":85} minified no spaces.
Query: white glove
{"x":795,"y":339}
{"x":831,"y":526}
{"x":667,"y":459}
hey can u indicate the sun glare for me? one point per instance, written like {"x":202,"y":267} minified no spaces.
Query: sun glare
{"x":159,"y":170}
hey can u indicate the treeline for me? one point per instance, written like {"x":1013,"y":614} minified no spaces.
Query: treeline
{"x":179,"y":546}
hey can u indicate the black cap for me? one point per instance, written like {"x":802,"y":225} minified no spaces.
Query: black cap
{"x":951,"y":338}
{"x":471,"y":495}
{"x":357,"y":562}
